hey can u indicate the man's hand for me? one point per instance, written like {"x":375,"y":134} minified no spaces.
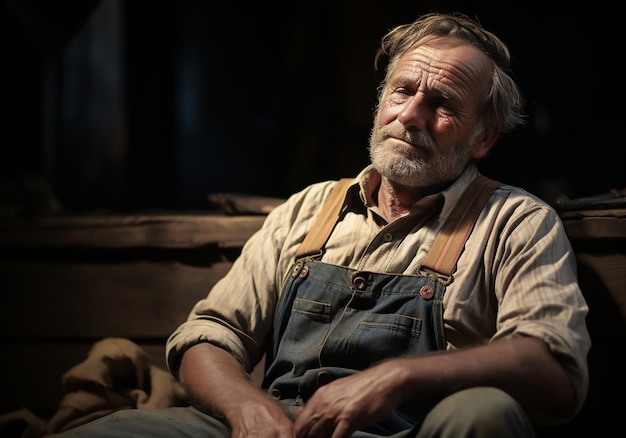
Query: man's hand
{"x":345,"y":405}
{"x":262,"y":419}
{"x":367,"y":397}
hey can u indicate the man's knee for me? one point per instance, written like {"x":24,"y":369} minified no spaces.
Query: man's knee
{"x":477,"y":412}
{"x":180,"y":421}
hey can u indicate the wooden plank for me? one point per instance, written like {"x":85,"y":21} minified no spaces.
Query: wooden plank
{"x":157,"y":231}
{"x":598,"y":238}
{"x":596,"y":228}
{"x":69,"y":300}
{"x":602,"y":278}
{"x":67,"y":282}
{"x":579,"y":214}
{"x":595,"y":224}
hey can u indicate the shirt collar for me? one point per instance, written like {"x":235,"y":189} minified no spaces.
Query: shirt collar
{"x":368,"y":181}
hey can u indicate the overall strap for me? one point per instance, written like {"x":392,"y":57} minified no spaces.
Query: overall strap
{"x":450,"y":240}
{"x":323,"y":226}
{"x":448,"y":243}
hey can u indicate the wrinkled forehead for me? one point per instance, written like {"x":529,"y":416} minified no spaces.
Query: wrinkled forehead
{"x":449,"y":66}
{"x":452,"y":50}
{"x":446,"y":56}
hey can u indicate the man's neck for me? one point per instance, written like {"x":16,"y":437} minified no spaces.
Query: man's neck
{"x":396,"y":200}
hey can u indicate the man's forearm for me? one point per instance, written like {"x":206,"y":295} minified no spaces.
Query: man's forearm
{"x":217,"y":384}
{"x":214,"y":379}
{"x":524,"y":367}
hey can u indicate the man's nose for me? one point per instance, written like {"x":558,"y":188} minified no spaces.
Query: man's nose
{"x":415,"y":112}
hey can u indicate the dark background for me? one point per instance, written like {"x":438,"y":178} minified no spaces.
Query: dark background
{"x":124,"y":105}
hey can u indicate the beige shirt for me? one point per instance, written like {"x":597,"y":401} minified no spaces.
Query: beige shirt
{"x":516,"y":276}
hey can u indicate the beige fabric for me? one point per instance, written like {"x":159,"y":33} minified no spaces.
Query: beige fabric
{"x":116,"y":374}
{"x":516,"y":276}
{"x":22,"y":423}
{"x":450,"y":240}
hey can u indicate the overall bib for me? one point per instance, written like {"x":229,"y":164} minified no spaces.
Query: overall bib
{"x":332,"y":321}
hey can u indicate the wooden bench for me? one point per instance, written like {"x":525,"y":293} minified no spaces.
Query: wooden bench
{"x":599,"y":241}
{"x":68,"y":282}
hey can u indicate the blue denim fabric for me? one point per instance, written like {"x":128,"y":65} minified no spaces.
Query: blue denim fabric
{"x":332,"y":321}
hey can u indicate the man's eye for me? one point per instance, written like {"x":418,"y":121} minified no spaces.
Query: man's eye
{"x":442,"y":103}
{"x":400,"y":94}
{"x":403,"y":91}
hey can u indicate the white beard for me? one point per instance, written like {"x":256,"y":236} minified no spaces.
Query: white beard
{"x":417,"y":166}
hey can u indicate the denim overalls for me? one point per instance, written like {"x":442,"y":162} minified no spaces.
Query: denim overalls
{"x":332,"y":321}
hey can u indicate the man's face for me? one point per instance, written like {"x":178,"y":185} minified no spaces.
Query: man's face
{"x":426,"y":126}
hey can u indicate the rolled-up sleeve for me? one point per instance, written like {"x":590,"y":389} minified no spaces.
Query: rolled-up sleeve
{"x":237,"y":313}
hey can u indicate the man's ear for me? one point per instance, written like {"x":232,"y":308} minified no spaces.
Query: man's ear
{"x":485,"y":142}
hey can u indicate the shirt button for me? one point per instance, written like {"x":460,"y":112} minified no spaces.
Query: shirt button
{"x":387,"y":237}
